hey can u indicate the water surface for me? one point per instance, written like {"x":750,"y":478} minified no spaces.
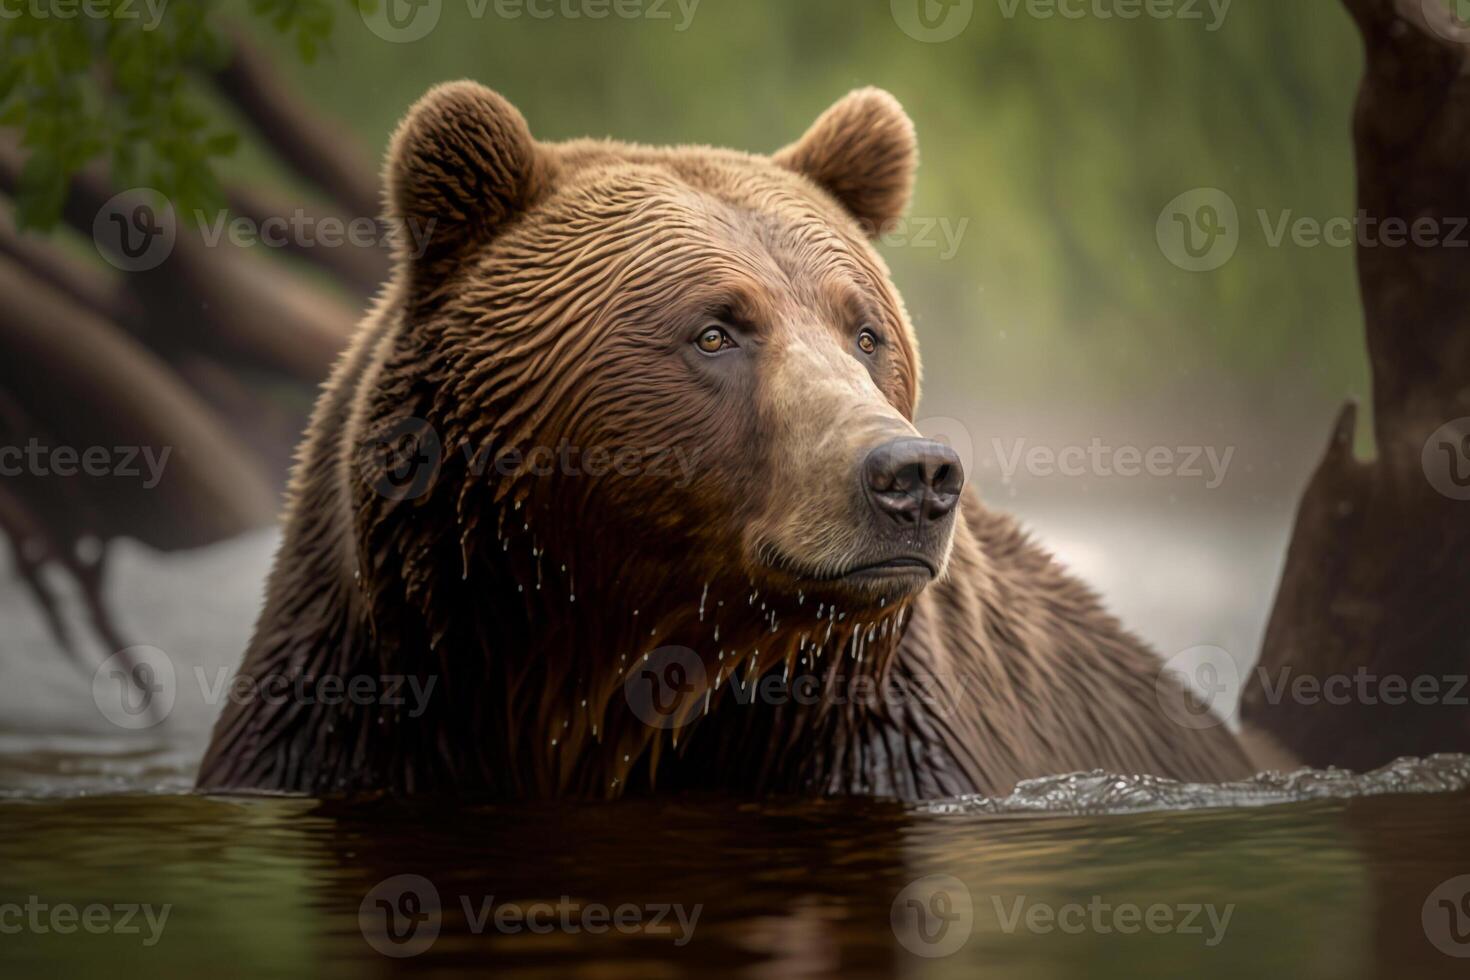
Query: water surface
{"x":261,"y":886}
{"x":1303,"y":877}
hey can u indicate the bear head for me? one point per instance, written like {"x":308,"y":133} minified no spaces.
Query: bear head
{"x":693,"y":351}
{"x":635,"y":392}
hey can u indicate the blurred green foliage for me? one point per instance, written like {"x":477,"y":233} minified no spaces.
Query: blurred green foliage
{"x":83,"y":87}
{"x":109,"y":79}
{"x":1059,"y":141}
{"x":1050,"y":144}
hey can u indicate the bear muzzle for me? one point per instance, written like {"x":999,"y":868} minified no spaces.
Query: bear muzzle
{"x":913,"y":482}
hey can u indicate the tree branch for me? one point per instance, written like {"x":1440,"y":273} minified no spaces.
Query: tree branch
{"x":317,"y":150}
{"x":252,"y":308}
{"x":97,"y":387}
{"x":360,"y":268}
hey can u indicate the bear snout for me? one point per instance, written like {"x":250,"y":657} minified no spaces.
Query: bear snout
{"x":913,"y":482}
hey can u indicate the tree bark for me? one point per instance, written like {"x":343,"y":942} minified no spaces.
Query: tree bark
{"x":359,"y":268}
{"x":86,"y":283}
{"x":217,"y":298}
{"x":212,"y":355}
{"x":81,"y":383}
{"x":313,"y":146}
{"x":1377,"y":578}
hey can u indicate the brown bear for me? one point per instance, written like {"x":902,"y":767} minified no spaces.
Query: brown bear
{"x":621,"y":472}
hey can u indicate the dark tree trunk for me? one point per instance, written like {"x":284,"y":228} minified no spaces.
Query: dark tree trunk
{"x":1377,"y":579}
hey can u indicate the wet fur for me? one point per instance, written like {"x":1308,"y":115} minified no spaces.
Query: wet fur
{"x":543,"y":312}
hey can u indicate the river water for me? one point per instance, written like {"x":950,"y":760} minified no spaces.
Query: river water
{"x":109,"y":865}
{"x":1332,"y":888}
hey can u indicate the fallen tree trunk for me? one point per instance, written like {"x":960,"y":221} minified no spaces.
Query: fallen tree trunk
{"x":211,"y":354}
{"x":91,"y":387}
{"x":218,"y":298}
{"x":359,"y":268}
{"x":250,"y":405}
{"x":314,"y":147}
{"x":1367,"y":647}
{"x":87,"y":283}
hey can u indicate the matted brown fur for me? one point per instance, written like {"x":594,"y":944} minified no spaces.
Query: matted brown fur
{"x":552,"y":307}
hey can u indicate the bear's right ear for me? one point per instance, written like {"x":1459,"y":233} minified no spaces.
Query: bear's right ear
{"x":461,"y":165}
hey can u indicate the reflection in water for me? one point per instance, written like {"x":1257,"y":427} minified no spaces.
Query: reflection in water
{"x":1064,"y":878}
{"x":1331,"y":888}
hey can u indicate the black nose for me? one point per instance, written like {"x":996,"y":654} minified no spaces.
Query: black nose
{"x":914,"y":480}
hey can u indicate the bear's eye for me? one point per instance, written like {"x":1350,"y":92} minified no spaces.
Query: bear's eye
{"x":867,"y":341}
{"x":712,"y":340}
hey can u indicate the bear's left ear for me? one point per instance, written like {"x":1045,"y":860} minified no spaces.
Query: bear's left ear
{"x":462,"y":164}
{"x":863,"y":152}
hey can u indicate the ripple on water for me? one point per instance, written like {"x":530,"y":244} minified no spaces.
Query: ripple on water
{"x":1098,"y":792}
